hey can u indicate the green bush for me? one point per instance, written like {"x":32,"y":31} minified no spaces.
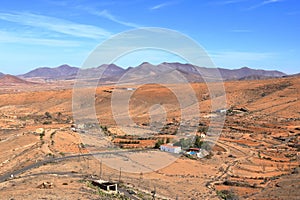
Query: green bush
{"x":227,"y":195}
{"x":158,"y":144}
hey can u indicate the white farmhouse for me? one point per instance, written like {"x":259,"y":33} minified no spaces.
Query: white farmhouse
{"x":170,"y":148}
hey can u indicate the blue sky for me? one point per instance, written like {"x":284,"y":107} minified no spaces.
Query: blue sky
{"x":235,"y":33}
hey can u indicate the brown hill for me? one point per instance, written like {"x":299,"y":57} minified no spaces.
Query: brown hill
{"x":13,"y":80}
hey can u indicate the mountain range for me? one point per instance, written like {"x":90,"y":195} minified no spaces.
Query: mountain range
{"x":147,"y":72}
{"x":61,"y":72}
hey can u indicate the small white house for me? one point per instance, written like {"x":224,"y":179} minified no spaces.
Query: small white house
{"x":170,"y":148}
{"x":202,"y":153}
{"x":222,"y":111}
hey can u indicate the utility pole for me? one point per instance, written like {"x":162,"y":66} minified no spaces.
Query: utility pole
{"x":153,"y":193}
{"x":141,"y":178}
{"x":120,"y":175}
{"x":101,"y":170}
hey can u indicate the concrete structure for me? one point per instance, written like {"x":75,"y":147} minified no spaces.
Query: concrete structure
{"x":105,"y":185}
{"x":170,"y":148}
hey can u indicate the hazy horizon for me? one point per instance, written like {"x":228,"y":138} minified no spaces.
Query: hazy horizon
{"x":126,"y":67}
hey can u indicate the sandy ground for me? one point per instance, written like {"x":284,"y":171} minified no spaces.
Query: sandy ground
{"x":256,"y":156}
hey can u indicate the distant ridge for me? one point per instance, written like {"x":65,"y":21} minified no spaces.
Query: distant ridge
{"x":61,"y":72}
{"x":254,"y":77}
{"x":112,"y":72}
{"x":13,"y":80}
{"x":246,"y":72}
{"x":293,"y":75}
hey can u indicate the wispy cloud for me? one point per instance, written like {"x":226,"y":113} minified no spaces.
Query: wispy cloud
{"x":55,"y":24}
{"x":264,"y":3}
{"x":9,"y":37}
{"x":106,"y":14}
{"x":165,"y":4}
{"x":92,"y":9}
{"x":228,"y":2}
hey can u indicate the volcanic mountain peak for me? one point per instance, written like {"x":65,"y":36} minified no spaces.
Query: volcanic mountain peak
{"x":112,"y":68}
{"x":61,"y":72}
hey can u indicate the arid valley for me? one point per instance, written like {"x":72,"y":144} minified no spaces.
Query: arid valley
{"x":257,"y":155}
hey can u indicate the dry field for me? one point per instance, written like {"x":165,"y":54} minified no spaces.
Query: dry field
{"x":256,"y":156}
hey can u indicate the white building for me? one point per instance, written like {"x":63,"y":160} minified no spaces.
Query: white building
{"x":170,"y":148}
{"x":105,"y":185}
{"x":202,"y":153}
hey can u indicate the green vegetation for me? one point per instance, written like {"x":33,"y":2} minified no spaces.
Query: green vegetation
{"x":202,"y":129}
{"x":168,"y":140}
{"x":48,"y":115}
{"x":198,"y":143}
{"x":105,"y":130}
{"x":227,"y":195}
{"x":184,"y":143}
{"x":52,"y":134}
{"x":81,"y":145}
{"x":206,"y":145}
{"x":158,"y":143}
{"x":129,"y":142}
{"x":42,"y":135}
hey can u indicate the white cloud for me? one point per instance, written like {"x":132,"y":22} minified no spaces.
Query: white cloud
{"x":56,"y":25}
{"x":91,"y":9}
{"x":265,"y":2}
{"x":228,"y":2}
{"x":106,"y":14}
{"x":9,"y":37}
{"x":159,"y":6}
